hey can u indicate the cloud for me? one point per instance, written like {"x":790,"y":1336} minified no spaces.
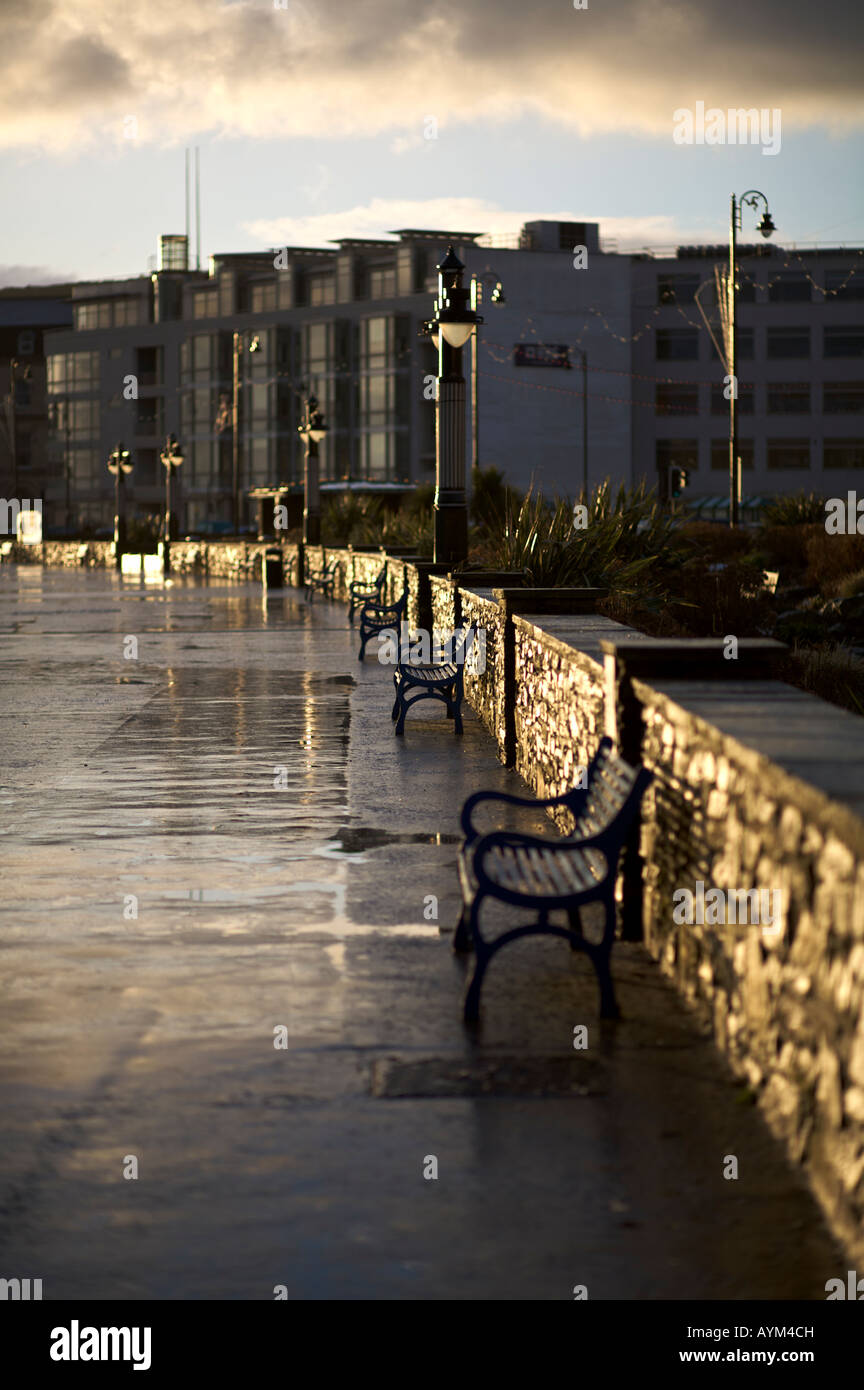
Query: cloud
{"x":20,"y":276}
{"x":338,"y":68}
{"x":382,"y":215}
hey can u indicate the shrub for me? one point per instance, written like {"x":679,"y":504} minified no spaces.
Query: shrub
{"x":629,"y":536}
{"x":786,"y":546}
{"x":794,"y":510}
{"x":831,"y":672}
{"x":716,"y":541}
{"x":831,"y":559}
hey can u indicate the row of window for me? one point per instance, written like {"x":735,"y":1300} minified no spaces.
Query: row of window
{"x":780,"y":398}
{"x":110,"y":313}
{"x":72,"y":371}
{"x":780,"y":454}
{"x":840,"y":340}
{"x":785,"y":287}
{"x":307,"y":351}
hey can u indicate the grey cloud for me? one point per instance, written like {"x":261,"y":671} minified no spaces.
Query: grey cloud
{"x":337,"y":67}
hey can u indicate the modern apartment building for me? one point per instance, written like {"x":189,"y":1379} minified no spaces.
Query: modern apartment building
{"x":155,"y":354}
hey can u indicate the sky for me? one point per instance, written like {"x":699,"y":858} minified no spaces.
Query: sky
{"x":318,"y":119}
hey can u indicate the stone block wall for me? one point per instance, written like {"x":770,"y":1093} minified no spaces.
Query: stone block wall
{"x":560,"y":709}
{"x":486,"y":691}
{"x":787,"y":1009}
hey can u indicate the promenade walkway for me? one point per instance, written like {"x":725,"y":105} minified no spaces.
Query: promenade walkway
{"x":219,"y":838}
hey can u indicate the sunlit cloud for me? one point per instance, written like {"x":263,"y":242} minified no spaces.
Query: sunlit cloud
{"x":73,"y":73}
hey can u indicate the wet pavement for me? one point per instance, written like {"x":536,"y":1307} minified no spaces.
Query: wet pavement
{"x":212,"y":843}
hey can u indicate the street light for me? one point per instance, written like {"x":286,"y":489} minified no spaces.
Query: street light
{"x":496,"y":296}
{"x":254,"y":346}
{"x":172,"y":457}
{"x":312,"y":430}
{"x":455,"y":320}
{"x":120,"y":464}
{"x":753,"y":199}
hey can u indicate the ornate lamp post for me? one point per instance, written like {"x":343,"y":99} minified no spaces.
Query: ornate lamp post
{"x":120,"y":464}
{"x":236,"y":386}
{"x":752,"y":198}
{"x":312,"y":430}
{"x":172,"y":457}
{"x":454,"y":321}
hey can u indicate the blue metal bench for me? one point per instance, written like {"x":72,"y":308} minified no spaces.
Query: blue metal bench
{"x":321,"y":581}
{"x":376,"y":618}
{"x":358,"y":593}
{"x":546,"y":875}
{"x":437,"y":681}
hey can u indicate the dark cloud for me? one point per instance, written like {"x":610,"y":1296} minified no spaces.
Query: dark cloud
{"x":342,"y":67}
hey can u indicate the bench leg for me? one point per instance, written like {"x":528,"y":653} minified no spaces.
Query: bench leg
{"x":471,"y":1011}
{"x":457,"y":715}
{"x":608,"y":1003}
{"x":575,"y":926}
{"x":462,"y":936}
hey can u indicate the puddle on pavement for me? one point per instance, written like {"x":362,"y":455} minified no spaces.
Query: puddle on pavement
{"x":356,"y":839}
{"x":436,"y":1078}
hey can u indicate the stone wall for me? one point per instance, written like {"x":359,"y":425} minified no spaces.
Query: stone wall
{"x":788,"y":1008}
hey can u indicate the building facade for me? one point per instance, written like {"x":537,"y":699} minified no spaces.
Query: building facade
{"x":157,"y":354}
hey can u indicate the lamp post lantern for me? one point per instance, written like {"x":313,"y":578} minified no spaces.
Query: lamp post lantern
{"x":312,"y":430}
{"x":120,"y":464}
{"x":752,"y":198}
{"x":172,"y":457}
{"x":455,"y":320}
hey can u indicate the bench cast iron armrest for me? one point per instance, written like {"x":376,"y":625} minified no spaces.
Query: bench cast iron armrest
{"x":471,"y":833}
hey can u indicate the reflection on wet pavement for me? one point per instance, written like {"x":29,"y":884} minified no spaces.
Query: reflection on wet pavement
{"x":219,"y":843}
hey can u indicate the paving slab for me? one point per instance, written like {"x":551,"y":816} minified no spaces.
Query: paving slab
{"x":213,"y":844}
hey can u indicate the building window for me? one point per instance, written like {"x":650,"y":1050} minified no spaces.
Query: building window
{"x":844,"y":342}
{"x":745,"y":343}
{"x":382,"y":282}
{"x":791,"y":288}
{"x":378,"y":455}
{"x":677,"y":344}
{"x":720,"y":455}
{"x":677,"y":289}
{"x":26,"y":343}
{"x":843,"y":453}
{"x":788,"y":398}
{"x":322,"y":289}
{"x":844,"y":285}
{"x":682,"y":453}
{"x":127,"y":312}
{"x":205,"y":304}
{"x":376,"y":337}
{"x":788,"y":453}
{"x":90,"y":316}
{"x":377,"y":399}
{"x":843,"y":397}
{"x":263,"y":298}
{"x":787,"y":342}
{"x":746,"y":293}
{"x":676,"y":400}
{"x":72,"y":371}
{"x":720,"y":403}
{"x":317,"y":339}
{"x":149,"y":416}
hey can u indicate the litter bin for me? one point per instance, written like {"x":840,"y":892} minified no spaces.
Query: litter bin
{"x":271,"y":569}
